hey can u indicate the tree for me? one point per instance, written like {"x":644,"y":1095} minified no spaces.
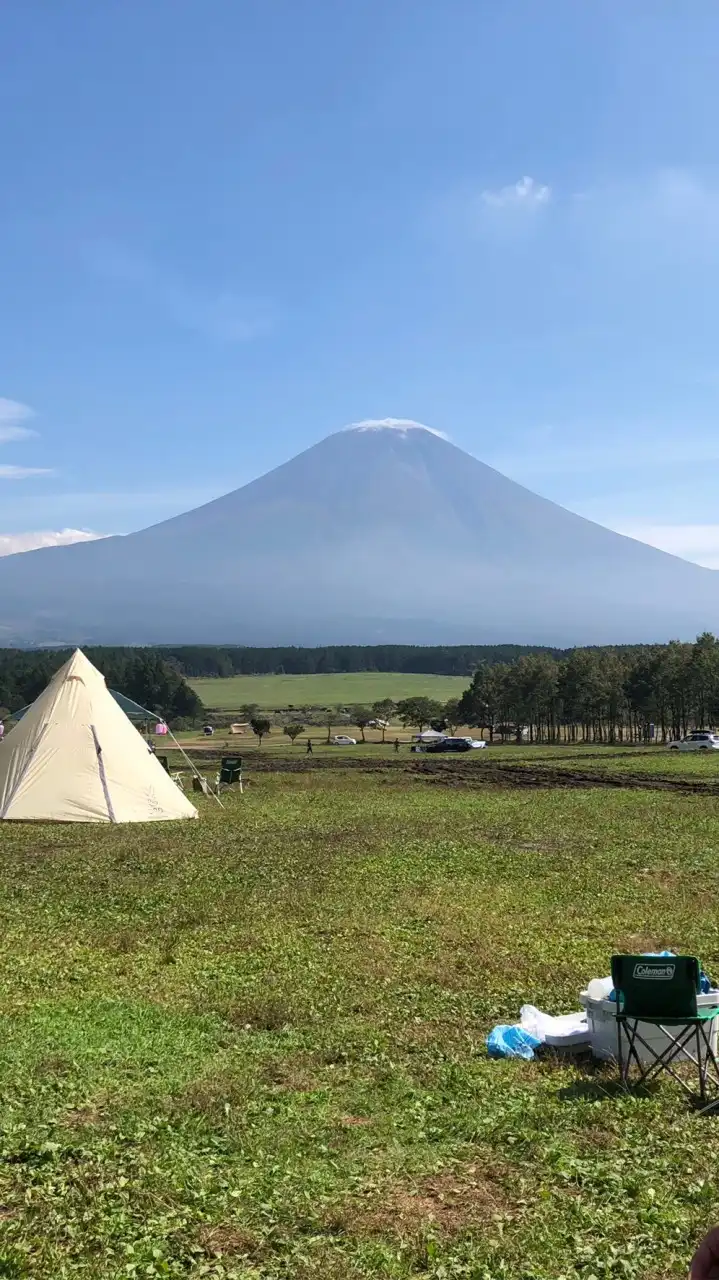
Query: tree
{"x":360,"y":716}
{"x":532,"y":690}
{"x":293,"y":731}
{"x":249,"y":710}
{"x":419,"y":711}
{"x":333,"y":716}
{"x":704,"y":679}
{"x":451,"y":715}
{"x":383,"y":710}
{"x":486,"y":702}
{"x":260,"y":726}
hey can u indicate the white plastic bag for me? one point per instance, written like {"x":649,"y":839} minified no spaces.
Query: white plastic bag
{"x":542,"y":1025}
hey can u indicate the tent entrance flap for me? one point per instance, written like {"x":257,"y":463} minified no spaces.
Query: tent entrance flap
{"x":103,"y":775}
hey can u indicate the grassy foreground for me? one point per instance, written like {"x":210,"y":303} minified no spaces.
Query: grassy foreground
{"x":253,"y":1046}
{"x":339,"y":689}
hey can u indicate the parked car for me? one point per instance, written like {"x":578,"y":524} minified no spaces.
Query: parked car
{"x":456,"y":744}
{"x":341,"y":740}
{"x":699,"y":740}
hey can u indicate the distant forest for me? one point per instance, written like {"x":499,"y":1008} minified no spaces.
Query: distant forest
{"x":599,"y":695}
{"x":437,"y":660}
{"x":141,"y":674}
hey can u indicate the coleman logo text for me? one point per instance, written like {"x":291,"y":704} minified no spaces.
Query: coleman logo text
{"x":655,"y":972}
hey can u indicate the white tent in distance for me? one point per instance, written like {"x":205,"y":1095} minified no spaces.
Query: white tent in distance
{"x":75,"y":757}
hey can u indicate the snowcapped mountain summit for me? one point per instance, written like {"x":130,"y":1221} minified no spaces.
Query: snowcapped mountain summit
{"x":402,"y":425}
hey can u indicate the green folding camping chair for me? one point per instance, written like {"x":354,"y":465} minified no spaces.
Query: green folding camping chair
{"x":661,"y":992}
{"x":230,"y":772}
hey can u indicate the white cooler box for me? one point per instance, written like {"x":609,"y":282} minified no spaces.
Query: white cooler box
{"x":603,"y":1030}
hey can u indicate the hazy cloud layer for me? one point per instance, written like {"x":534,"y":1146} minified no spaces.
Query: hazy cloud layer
{"x":12,"y":415}
{"x":10,"y":543}
{"x":220,"y":315}
{"x":696,"y":542}
{"x":10,"y":472}
{"x":666,"y":214}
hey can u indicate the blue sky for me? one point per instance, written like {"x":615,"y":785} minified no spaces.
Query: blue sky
{"x":228,"y":229}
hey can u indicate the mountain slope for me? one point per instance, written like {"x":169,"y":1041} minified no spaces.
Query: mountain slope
{"x":369,"y":535}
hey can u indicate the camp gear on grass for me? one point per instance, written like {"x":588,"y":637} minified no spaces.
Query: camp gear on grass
{"x":75,"y":757}
{"x":661,"y":991}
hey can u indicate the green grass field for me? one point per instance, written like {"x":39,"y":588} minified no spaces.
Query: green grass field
{"x":363,"y":687}
{"x":252,"y":1047}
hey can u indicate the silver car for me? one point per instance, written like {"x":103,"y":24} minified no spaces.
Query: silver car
{"x":699,"y":740}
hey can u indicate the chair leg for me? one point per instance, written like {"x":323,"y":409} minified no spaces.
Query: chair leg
{"x":711,"y":1058}
{"x":620,"y":1057}
{"x":703,"y":1058}
{"x":702,"y":1069}
{"x":632,"y":1053}
{"x":662,"y":1061}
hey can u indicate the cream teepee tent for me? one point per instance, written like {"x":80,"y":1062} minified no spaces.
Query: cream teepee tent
{"x":75,"y":757}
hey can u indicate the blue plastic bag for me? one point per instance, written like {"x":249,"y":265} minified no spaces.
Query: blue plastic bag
{"x":511,"y":1042}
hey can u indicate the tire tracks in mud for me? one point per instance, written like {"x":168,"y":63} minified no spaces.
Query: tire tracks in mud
{"x":475,"y":774}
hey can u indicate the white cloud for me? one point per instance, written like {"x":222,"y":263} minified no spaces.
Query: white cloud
{"x":393,"y":424}
{"x":524,"y":194}
{"x":10,"y":543}
{"x":10,"y":433}
{"x":696,"y":542}
{"x":12,"y":413}
{"x":8,"y":472}
{"x":223,"y":315}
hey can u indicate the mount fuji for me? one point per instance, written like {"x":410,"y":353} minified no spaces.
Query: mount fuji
{"x":382,"y":532}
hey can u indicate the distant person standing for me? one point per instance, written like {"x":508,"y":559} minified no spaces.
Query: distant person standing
{"x":2,"y":730}
{"x":396,"y":744}
{"x":309,"y":746}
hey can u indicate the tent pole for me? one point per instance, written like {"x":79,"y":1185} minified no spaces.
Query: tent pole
{"x":193,"y":767}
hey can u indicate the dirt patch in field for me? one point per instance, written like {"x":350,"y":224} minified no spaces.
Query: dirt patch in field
{"x":225,"y":1239}
{"x":84,"y":1117}
{"x":296,"y":1075}
{"x":461,"y":771}
{"x":445,"y":1203}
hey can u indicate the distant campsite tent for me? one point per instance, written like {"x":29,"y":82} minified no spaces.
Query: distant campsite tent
{"x":75,"y":757}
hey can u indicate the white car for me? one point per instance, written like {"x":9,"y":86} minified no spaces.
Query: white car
{"x":341,"y":740}
{"x":699,"y":740}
